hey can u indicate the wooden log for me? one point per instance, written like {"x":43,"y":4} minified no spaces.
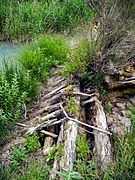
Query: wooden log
{"x":51,"y":115}
{"x":56,"y":164}
{"x":67,"y":137}
{"x":31,"y":130}
{"x":102,"y":141}
{"x":82,"y":123}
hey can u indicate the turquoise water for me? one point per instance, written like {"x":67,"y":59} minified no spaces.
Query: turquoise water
{"x":8,"y":50}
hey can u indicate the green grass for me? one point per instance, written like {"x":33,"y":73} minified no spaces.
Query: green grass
{"x":29,"y":18}
{"x":42,"y":54}
{"x":32,"y":169}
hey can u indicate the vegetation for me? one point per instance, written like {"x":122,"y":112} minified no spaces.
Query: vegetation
{"x":88,"y":62}
{"x":32,"y":169}
{"x":69,"y":174}
{"x":19,"y":82}
{"x":31,"y":143}
{"x":42,"y":54}
{"x":29,"y":18}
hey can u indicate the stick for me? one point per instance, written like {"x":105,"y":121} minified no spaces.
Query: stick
{"x":49,"y":134}
{"x":20,"y":124}
{"x":85,"y":94}
{"x":87,"y":125}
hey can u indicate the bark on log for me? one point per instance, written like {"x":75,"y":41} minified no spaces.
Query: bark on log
{"x":68,"y":137}
{"x":102,"y":141}
{"x":56,"y":165}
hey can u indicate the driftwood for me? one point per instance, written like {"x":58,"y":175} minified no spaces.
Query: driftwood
{"x":31,"y":130}
{"x":56,"y":165}
{"x":20,"y":124}
{"x":102,"y":141}
{"x":51,"y":115}
{"x":121,"y":84}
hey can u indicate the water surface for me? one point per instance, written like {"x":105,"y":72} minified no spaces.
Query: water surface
{"x":8,"y":50}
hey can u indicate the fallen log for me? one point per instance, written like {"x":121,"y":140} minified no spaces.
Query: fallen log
{"x":56,"y":165}
{"x":68,"y":140}
{"x":31,"y":130}
{"x":102,"y":141}
{"x":55,"y":91}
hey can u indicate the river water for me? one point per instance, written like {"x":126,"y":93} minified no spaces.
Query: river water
{"x":7,"y":50}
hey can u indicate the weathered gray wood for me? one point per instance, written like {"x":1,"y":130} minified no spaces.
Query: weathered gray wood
{"x":102,"y":142}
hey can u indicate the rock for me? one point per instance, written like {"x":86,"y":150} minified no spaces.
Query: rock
{"x":118,"y":130}
{"x":109,"y":120}
{"x":125,"y":113}
{"x":120,"y":105}
{"x":132,"y":101}
{"x":128,"y":105}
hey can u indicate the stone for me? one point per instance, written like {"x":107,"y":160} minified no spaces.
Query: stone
{"x":120,"y":105}
{"x":132,"y":101}
{"x":119,"y":130}
{"x":109,"y":120}
{"x":125,"y":113}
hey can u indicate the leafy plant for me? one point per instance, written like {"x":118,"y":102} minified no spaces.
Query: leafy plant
{"x":31,"y":143}
{"x":69,"y":174}
{"x":52,"y":152}
{"x":18,"y":157}
{"x":107,"y":108}
{"x":82,"y":149}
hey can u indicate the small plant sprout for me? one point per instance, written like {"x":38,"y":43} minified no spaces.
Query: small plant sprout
{"x":69,"y":174}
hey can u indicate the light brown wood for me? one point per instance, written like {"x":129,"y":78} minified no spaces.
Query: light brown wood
{"x":49,"y":134}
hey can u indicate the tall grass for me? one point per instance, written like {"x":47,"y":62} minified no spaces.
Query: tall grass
{"x":21,"y":18}
{"x":42,"y":54}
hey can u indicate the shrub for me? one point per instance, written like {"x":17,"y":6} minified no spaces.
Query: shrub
{"x":16,"y":87}
{"x":31,"y":143}
{"x":18,"y":156}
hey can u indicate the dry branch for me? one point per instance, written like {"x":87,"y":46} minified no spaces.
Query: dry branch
{"x":49,"y":133}
{"x":84,"y":124}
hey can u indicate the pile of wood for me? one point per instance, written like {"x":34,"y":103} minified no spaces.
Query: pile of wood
{"x":61,"y":124}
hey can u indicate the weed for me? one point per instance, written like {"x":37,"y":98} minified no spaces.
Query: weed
{"x":107,"y":108}
{"x":31,"y":169}
{"x":18,"y":157}
{"x":78,"y":59}
{"x":21,"y":18}
{"x":52,"y":152}
{"x":69,"y":174}
{"x":71,"y":105}
{"x":31,"y":143}
{"x":82,"y":149}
